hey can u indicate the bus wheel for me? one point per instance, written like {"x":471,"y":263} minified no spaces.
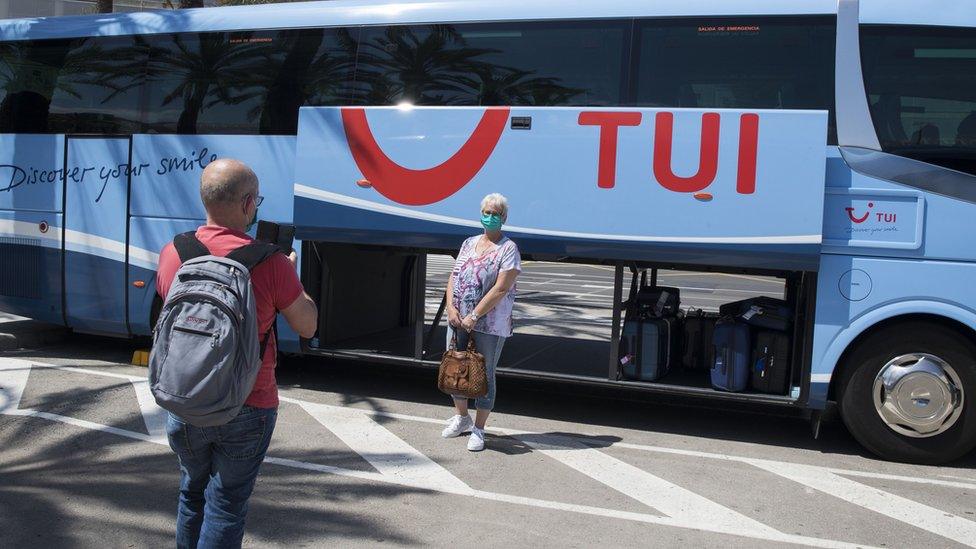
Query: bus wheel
{"x":908,"y":394}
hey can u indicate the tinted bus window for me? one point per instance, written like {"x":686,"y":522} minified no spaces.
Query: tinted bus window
{"x":748,"y":63}
{"x":571,"y":63}
{"x":28,"y":78}
{"x":208,"y":83}
{"x":244,"y":82}
{"x":921,"y":86}
{"x":100,"y":85}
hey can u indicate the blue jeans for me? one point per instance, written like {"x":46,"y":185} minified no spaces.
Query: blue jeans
{"x":491,"y":347}
{"x":218,"y":467}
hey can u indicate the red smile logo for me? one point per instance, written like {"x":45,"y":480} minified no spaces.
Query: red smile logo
{"x":421,"y":187}
{"x":863,"y":218}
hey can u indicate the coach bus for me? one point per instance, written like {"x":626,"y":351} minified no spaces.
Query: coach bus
{"x":828,"y":146}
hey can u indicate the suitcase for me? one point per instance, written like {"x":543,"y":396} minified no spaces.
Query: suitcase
{"x":647,"y":347}
{"x":697,"y":349}
{"x":771,"y":362}
{"x":730,"y":371}
{"x":762,"y":312}
{"x":660,"y":301}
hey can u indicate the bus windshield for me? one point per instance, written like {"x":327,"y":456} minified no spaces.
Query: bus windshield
{"x":921,"y":84}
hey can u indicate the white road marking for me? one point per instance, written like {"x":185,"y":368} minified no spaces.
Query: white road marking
{"x":905,"y":510}
{"x":971,"y":485}
{"x":678,"y":503}
{"x":390,"y":455}
{"x":411,"y":481}
{"x":13,"y":381}
{"x":152,"y":414}
{"x":543,"y":273}
{"x":7,"y":317}
{"x":13,"y":376}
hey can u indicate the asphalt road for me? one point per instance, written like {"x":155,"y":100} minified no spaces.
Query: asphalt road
{"x":550,"y":295}
{"x":357,"y":460}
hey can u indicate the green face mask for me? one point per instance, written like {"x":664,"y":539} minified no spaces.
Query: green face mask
{"x":253,"y":221}
{"x":492,"y":222}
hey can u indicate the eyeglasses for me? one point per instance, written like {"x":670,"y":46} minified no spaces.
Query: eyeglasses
{"x":257,"y":201}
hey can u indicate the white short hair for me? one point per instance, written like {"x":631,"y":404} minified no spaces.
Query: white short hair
{"x":498,"y":200}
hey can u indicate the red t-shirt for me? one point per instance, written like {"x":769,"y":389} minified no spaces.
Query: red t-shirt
{"x":276,"y":287}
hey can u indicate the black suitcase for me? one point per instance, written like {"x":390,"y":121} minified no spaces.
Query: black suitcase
{"x":771,"y":362}
{"x":659,"y":301}
{"x":761,"y":312}
{"x":647,"y":348}
{"x":697,"y":350}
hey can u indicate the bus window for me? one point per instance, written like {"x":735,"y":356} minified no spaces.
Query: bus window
{"x":740,"y":63}
{"x":250,"y":82}
{"x":209,"y":82}
{"x":518,"y":63}
{"x":99,"y":86}
{"x":921,"y":86}
{"x":28,"y":77}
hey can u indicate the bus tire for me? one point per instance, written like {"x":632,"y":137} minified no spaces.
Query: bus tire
{"x":894,"y":370}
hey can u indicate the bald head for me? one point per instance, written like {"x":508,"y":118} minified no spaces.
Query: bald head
{"x":224,"y":183}
{"x":224,"y":187}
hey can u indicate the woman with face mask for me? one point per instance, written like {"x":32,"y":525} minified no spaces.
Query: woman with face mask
{"x":480,"y":296}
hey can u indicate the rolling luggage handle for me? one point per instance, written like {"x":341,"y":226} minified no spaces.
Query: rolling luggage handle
{"x":726,"y":357}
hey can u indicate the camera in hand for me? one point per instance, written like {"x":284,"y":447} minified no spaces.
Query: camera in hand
{"x":277,"y":233}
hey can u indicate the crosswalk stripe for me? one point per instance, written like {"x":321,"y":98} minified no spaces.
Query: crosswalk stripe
{"x":152,"y":414}
{"x":905,"y":510}
{"x":674,"y":501}
{"x":390,"y":455}
{"x":397,"y":462}
{"x":12,"y":383}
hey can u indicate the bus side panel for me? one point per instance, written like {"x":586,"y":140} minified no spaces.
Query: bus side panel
{"x":166,"y":200}
{"x":855,"y":293}
{"x":31,"y":196}
{"x":695,"y":186}
{"x":148,"y":236}
{"x":30,"y":272}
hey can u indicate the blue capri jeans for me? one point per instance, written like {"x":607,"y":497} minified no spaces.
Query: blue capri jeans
{"x":491,"y":347}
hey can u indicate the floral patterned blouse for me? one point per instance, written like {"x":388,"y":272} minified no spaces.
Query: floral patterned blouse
{"x":474,"y":275}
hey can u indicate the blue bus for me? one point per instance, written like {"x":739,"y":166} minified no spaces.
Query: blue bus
{"x":826,"y":144}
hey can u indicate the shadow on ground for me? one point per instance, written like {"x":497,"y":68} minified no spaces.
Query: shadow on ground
{"x":126,"y":490}
{"x":375,"y":385}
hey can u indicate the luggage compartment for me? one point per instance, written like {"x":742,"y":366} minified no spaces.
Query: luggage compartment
{"x":386,"y":304}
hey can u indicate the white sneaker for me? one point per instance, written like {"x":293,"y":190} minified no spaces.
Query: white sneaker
{"x":457,"y":425}
{"x":476,"y":442}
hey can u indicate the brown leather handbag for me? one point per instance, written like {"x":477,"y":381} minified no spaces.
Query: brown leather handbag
{"x":462,"y":373}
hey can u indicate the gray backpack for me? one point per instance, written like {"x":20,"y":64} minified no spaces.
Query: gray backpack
{"x":206,"y":354}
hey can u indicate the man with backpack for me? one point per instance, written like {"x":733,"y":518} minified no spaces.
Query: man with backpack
{"x":214,"y":353}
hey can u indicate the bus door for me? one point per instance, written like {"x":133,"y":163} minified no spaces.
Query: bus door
{"x":95,"y":242}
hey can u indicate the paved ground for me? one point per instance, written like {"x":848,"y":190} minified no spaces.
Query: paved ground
{"x":357,"y":460}
{"x":577,"y":300}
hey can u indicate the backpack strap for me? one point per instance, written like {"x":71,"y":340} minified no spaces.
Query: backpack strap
{"x":188,"y":246}
{"x":251,"y":255}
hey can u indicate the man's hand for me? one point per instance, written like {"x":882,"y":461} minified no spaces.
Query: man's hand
{"x":293,"y":257}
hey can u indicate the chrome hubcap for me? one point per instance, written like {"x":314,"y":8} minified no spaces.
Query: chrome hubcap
{"x":918,"y":395}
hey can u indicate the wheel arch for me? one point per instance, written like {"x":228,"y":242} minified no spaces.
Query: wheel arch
{"x":950,"y":317}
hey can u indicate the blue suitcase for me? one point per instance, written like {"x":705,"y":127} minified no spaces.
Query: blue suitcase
{"x":730,"y":371}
